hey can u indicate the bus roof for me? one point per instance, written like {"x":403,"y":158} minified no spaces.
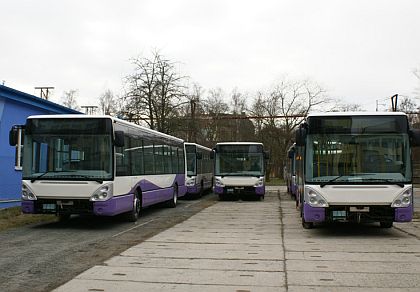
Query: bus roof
{"x":334,"y":114}
{"x":198,"y":145}
{"x":239,"y":143}
{"x":116,"y":120}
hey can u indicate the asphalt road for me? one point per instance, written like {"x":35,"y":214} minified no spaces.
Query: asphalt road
{"x":42,"y":257}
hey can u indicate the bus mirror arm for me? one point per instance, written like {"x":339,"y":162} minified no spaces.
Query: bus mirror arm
{"x":414,"y":137}
{"x":266,"y":154}
{"x":119,"y":139}
{"x":301,"y":133}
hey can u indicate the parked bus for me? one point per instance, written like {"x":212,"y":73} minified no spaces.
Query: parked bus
{"x":239,"y":169}
{"x":290,"y":172}
{"x":199,"y":169}
{"x":75,"y":164}
{"x":356,"y":167}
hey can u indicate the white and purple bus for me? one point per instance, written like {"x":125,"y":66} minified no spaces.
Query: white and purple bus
{"x":239,"y":169}
{"x":290,"y":171}
{"x":76,"y":164}
{"x":199,"y":169}
{"x":356,"y":167}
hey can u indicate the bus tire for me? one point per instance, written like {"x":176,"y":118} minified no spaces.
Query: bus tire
{"x":173,"y":202}
{"x":307,"y":225}
{"x":386,"y":224}
{"x":134,"y":214}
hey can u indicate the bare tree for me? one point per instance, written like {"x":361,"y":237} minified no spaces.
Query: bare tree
{"x":291,"y":100}
{"x":407,"y":105}
{"x":155,"y":92}
{"x":214,"y":107}
{"x":346,"y":107}
{"x":108,"y":103}
{"x":69,"y":99}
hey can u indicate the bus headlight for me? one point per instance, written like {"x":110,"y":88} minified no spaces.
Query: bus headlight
{"x":27,"y":193}
{"x":218,"y":182}
{"x":260,"y":182}
{"x":190,"y":182}
{"x":404,"y":199}
{"x":104,"y":193}
{"x":314,"y":199}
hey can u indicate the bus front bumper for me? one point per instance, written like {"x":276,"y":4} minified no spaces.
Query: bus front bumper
{"x":354,"y":214}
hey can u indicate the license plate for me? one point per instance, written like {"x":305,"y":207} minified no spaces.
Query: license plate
{"x":359,"y":209}
{"x":229,"y":190}
{"x":239,"y":188}
{"x":339,"y":214}
{"x":48,"y":206}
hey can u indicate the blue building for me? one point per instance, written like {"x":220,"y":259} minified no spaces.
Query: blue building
{"x":15,"y":107}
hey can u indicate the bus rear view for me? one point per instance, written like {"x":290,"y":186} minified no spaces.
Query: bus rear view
{"x":239,"y":169}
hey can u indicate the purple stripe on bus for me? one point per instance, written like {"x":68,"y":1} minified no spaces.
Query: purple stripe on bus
{"x":404,"y":214}
{"x":146,"y":185}
{"x":260,"y":190}
{"x":182,"y":191}
{"x":193,"y":189}
{"x":218,"y":190}
{"x":312,"y":214}
{"x":156,"y":196}
{"x":28,"y":207}
{"x":113,"y":206}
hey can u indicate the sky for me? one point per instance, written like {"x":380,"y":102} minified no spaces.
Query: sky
{"x":359,"y":51}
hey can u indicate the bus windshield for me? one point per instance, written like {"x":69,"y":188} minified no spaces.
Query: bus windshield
{"x":239,"y":160}
{"x":358,"y":158}
{"x":68,"y":150}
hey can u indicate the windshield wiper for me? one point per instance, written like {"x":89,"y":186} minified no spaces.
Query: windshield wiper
{"x":47,"y":172}
{"x":340,"y":176}
{"x":70,"y":175}
{"x":400,"y":184}
{"x":330,"y":181}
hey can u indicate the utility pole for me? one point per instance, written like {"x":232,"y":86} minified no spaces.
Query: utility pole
{"x":45,"y":91}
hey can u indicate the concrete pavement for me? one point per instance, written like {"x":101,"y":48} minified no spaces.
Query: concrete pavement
{"x":231,"y":246}
{"x":260,"y":246}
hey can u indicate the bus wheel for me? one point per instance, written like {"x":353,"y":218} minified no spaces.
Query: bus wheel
{"x":172,"y":203}
{"x":134,"y":214}
{"x":307,"y":225}
{"x":386,"y":224}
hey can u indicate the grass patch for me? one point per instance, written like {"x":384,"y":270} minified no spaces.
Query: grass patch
{"x":13,"y":217}
{"x":275,"y":181}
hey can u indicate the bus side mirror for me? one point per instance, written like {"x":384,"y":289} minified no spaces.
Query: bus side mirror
{"x":212,"y":154}
{"x":301,"y":136}
{"x":14,"y":134}
{"x":291,"y":154}
{"x":119,"y":139}
{"x":266,"y":154}
{"x":414,"y":137}
{"x":199,"y":155}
